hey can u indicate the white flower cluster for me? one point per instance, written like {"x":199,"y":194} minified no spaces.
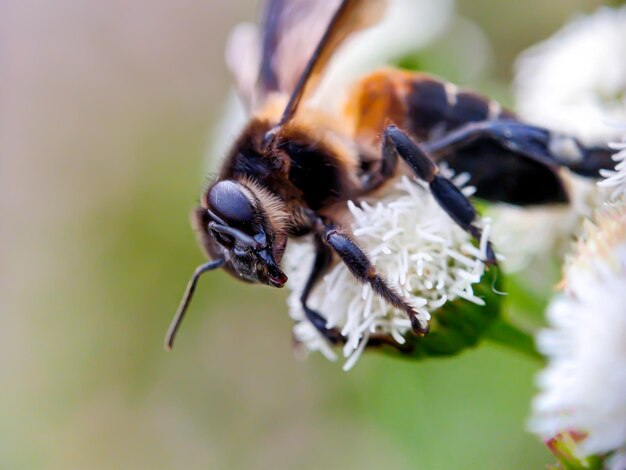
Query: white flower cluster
{"x":616,"y":180}
{"x":553,"y":226}
{"x":418,"y":249}
{"x":575,"y":81}
{"x":583,"y":389}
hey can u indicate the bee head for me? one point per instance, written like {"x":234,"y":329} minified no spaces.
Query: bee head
{"x":247,"y":224}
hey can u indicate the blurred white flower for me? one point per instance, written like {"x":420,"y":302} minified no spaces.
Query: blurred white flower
{"x":414,"y":245}
{"x":552,"y":227}
{"x":583,"y":388}
{"x":616,"y":180}
{"x":407,"y":26}
{"x":575,"y":81}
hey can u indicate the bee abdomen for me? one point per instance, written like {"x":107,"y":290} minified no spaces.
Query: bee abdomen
{"x":425,"y":106}
{"x":435,"y":107}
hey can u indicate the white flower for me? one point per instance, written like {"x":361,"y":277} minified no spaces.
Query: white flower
{"x":616,"y":180}
{"x":575,"y":81}
{"x":418,"y":249}
{"x":407,"y":26}
{"x":551,"y":227}
{"x":583,"y":388}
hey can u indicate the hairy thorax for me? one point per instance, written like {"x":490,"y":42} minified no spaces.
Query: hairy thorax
{"x":310,"y":163}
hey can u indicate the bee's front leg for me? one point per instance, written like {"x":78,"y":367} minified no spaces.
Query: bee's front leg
{"x":449,"y":197}
{"x":362,"y":268}
{"x":323,"y":259}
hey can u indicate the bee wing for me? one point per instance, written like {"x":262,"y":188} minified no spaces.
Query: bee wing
{"x":291,"y":31}
{"x":243,"y":58}
{"x":348,"y":17}
{"x":297,"y":41}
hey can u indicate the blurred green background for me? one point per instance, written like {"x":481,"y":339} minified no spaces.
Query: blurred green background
{"x":105,"y":108}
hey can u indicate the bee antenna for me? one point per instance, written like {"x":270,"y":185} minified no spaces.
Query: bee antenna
{"x":186,"y":300}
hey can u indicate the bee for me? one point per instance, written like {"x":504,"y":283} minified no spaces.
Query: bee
{"x":295,"y":166}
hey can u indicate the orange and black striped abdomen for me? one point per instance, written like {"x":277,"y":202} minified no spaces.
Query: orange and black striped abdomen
{"x":421,"y":104}
{"x":429,"y":108}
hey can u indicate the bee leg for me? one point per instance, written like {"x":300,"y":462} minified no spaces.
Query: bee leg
{"x":323,"y":258}
{"x":535,"y":143}
{"x":387,"y":168}
{"x":449,"y":197}
{"x":362,"y":268}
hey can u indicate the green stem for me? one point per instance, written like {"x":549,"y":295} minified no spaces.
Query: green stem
{"x":506,"y":334}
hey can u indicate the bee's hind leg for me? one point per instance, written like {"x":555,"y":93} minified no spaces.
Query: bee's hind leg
{"x":527,"y":142}
{"x":449,"y":197}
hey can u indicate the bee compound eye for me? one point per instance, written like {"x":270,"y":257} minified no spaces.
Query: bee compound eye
{"x":230,"y":201}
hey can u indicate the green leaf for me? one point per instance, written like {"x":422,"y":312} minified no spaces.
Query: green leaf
{"x":460,"y":324}
{"x":563,"y":447}
{"x":507,"y":334}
